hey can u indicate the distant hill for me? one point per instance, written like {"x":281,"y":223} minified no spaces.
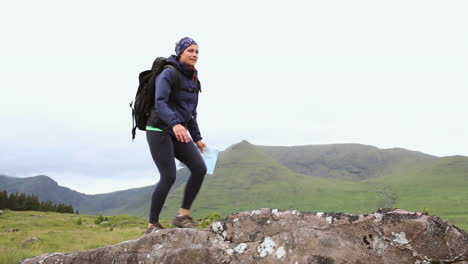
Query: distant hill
{"x":246,"y":178}
{"x":44,"y":187}
{"x":128,"y":201}
{"x":342,"y":177}
{"x":342,"y":161}
{"x":250,"y":176}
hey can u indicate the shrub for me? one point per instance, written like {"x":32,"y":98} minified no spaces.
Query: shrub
{"x":205,"y":221}
{"x":425,"y":210}
{"x":78,"y":221}
{"x":99,"y":219}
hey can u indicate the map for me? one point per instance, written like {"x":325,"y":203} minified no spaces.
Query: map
{"x":210,"y":156}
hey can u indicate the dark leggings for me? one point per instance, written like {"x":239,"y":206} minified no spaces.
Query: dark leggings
{"x":164,"y":148}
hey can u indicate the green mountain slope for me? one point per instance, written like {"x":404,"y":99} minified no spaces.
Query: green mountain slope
{"x":342,"y":161}
{"x":350,"y":178}
{"x":439,"y":185}
{"x":247,"y":179}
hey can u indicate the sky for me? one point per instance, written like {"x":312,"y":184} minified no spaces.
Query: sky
{"x":381,"y":73}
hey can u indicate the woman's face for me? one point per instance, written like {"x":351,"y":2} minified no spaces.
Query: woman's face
{"x":190,"y":55}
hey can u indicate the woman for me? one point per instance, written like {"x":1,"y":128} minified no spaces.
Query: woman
{"x":167,"y":132}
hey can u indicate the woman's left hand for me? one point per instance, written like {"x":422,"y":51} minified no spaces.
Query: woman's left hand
{"x":201,"y":145}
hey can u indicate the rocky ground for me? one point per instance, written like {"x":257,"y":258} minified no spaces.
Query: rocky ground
{"x":273,"y":236}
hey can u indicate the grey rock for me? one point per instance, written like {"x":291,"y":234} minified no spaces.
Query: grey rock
{"x":1,"y":212}
{"x":275,"y":236}
{"x":29,"y":241}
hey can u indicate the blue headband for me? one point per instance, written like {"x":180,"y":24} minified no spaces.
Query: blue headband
{"x":183,"y":44}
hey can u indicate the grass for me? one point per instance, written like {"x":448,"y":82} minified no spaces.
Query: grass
{"x":58,"y":232}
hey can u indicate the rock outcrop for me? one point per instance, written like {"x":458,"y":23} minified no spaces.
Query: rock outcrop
{"x":274,"y":236}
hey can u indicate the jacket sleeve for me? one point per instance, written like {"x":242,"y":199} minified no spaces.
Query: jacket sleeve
{"x":193,"y":128}
{"x":164,"y":82}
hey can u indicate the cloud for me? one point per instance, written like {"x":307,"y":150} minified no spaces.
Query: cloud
{"x":97,"y":184}
{"x":388,"y":74}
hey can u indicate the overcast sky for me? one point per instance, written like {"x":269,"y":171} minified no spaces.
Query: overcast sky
{"x":382,"y":73}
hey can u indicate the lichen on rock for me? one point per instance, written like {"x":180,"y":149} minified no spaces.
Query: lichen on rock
{"x":400,"y":238}
{"x":266,"y":247}
{"x":275,"y":236}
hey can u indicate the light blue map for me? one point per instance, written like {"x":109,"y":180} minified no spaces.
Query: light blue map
{"x":210,"y":156}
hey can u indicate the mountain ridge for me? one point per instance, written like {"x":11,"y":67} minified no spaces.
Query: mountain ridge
{"x":342,"y":161}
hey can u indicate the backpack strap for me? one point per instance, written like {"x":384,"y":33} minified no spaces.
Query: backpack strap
{"x":179,"y":80}
{"x":199,"y":86}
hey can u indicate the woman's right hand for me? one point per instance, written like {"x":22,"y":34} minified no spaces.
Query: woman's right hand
{"x":181,"y":133}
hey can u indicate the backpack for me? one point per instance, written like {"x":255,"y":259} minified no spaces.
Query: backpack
{"x":143,"y":104}
{"x":144,"y":99}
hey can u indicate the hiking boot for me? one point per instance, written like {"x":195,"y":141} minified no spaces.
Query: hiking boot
{"x":153,"y":228}
{"x":183,"y":221}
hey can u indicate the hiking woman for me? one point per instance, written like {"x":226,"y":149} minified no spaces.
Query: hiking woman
{"x":168,"y":128}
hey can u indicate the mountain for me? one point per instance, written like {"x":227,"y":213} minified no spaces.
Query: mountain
{"x":129,"y":201}
{"x":440,"y":185}
{"x":249,"y":176}
{"x":341,"y":177}
{"x":246,"y":179}
{"x":44,"y":187}
{"x":342,"y":161}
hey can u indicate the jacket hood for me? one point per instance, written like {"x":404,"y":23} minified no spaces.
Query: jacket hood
{"x":173,"y":60}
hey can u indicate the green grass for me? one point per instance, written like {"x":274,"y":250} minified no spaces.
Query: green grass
{"x":59,"y":233}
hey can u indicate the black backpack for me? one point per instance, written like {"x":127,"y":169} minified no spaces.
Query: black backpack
{"x":144,"y":99}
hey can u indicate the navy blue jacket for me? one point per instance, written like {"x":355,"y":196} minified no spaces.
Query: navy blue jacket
{"x":178,"y":107}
